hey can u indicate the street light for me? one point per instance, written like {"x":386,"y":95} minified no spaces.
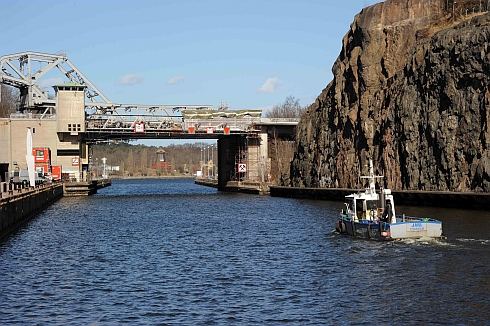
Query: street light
{"x":207,"y":163}
{"x":200,"y":164}
{"x":104,"y":174}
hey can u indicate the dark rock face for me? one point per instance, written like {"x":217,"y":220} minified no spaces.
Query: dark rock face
{"x":418,"y":105}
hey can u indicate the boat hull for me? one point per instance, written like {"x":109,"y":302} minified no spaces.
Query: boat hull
{"x":411,"y":229}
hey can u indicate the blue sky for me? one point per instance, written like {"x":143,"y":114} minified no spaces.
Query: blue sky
{"x":251,"y":54}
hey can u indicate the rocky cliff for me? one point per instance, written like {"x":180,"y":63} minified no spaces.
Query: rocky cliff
{"x":410,"y":91}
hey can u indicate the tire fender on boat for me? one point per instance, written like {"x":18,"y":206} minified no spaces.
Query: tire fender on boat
{"x":340,"y":226}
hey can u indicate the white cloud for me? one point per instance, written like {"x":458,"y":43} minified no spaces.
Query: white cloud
{"x":131,"y":79}
{"x":270,"y":85}
{"x":51,"y":82}
{"x":175,"y":80}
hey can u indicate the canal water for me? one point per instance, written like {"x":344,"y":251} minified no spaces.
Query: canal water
{"x":169,"y":252}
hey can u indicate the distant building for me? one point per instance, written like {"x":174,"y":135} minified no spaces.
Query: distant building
{"x":161,"y":162}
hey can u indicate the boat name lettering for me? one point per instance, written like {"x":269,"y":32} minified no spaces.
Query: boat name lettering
{"x":417,"y":226}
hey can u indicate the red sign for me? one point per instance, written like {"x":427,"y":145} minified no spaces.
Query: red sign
{"x":226,"y":130}
{"x":139,"y":127}
{"x":41,"y":154}
{"x":75,"y":161}
{"x":56,"y":172}
{"x":192,"y":130}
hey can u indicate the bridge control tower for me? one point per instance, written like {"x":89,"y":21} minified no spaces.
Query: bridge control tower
{"x":71,"y":149}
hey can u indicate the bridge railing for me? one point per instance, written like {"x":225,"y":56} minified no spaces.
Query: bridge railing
{"x":279,"y":120}
{"x":127,"y":123}
{"x":219,"y":124}
{"x":32,"y":116}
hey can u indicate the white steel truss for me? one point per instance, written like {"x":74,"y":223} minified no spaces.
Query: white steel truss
{"x":17,"y":70}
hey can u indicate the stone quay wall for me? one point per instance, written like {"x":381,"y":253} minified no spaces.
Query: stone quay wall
{"x":19,"y":205}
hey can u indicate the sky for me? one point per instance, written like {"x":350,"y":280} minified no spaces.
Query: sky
{"x":250,"y":54}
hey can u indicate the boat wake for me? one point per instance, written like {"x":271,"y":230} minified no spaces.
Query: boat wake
{"x":426,"y":241}
{"x":478,"y":241}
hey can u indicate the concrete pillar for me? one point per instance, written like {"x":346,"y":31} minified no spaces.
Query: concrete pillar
{"x":264,"y":156}
{"x":257,"y":158}
{"x":228,"y":149}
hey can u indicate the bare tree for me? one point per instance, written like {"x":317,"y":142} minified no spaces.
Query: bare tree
{"x":289,"y":109}
{"x":143,"y":163}
{"x":130,"y":162}
{"x":8,"y":101}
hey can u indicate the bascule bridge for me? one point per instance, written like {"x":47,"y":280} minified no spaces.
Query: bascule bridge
{"x":81,"y":115}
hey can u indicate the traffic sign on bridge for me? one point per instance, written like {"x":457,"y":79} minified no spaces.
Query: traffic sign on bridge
{"x":242,"y":167}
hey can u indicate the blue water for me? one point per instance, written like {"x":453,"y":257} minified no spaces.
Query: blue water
{"x":168,"y":252}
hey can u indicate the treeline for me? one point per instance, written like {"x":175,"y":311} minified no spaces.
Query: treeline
{"x":137,"y":160}
{"x":445,"y":11}
{"x":290,"y":108}
{"x":9,"y":100}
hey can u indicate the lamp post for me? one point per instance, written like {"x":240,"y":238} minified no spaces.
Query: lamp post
{"x":104,"y":174}
{"x":207,"y":163}
{"x":201,"y":163}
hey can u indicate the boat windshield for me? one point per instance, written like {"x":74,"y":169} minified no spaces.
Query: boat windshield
{"x":371,"y":205}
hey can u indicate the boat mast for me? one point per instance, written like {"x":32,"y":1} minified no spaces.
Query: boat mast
{"x":371,"y":177}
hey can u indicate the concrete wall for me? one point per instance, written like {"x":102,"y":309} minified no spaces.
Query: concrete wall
{"x":71,"y":109}
{"x":402,"y":197}
{"x":13,"y":146}
{"x":5,"y":156}
{"x":14,"y":132}
{"x":19,"y":208}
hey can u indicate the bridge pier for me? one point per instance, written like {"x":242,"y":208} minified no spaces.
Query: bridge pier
{"x":228,"y":152}
{"x":243,"y":158}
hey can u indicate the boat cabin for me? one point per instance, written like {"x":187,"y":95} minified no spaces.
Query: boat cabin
{"x":371,"y":206}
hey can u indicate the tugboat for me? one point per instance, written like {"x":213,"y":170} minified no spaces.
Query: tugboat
{"x":370,"y":214}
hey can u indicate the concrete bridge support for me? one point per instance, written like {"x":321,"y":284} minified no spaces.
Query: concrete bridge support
{"x":228,"y":155}
{"x":243,"y":158}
